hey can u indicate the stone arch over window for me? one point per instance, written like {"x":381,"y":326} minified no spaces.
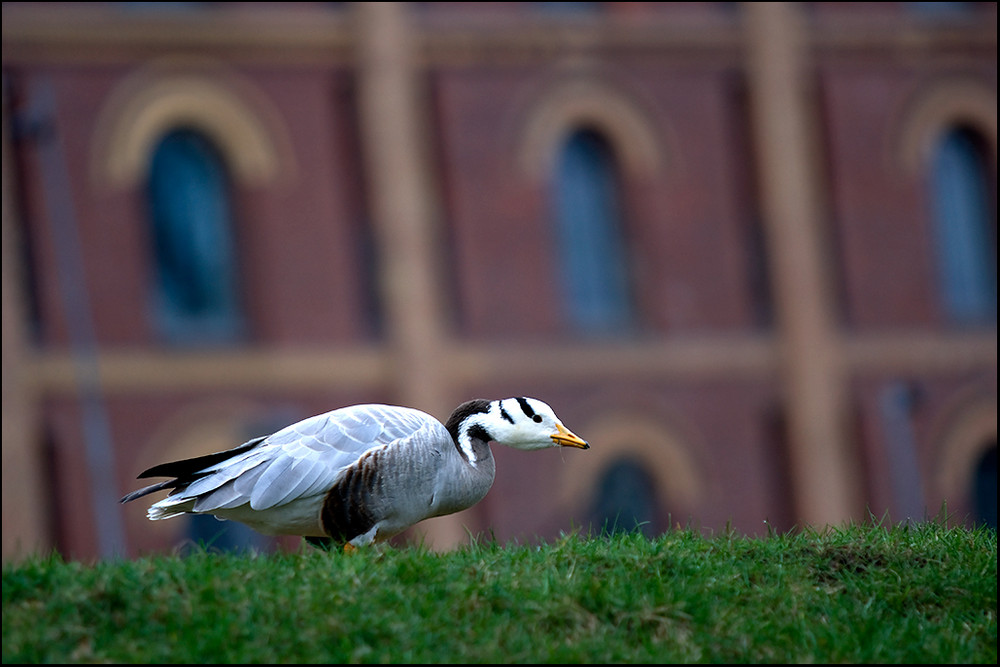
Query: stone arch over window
{"x":594,"y":103}
{"x":958,"y":103}
{"x":963,"y":444}
{"x":644,"y":448}
{"x":228,"y":110}
{"x":586,"y":143}
{"x":948,"y":142}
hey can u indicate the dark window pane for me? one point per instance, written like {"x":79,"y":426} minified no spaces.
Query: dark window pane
{"x":590,"y":236}
{"x":965,"y":226}
{"x":984,"y":489}
{"x":625,"y":500}
{"x":196,"y":299}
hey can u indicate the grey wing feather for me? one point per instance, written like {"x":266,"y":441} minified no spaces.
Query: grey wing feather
{"x":302,"y":479}
{"x":243,"y":484}
{"x":274,"y":484}
{"x":224,"y":497}
{"x":210,"y":482}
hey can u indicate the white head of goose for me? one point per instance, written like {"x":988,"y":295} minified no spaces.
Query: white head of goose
{"x":359,"y":474}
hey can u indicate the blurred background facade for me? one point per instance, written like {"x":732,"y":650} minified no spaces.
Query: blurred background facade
{"x":747,"y":250}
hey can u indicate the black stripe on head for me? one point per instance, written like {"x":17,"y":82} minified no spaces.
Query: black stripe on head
{"x":505,"y":415}
{"x":526,"y":409}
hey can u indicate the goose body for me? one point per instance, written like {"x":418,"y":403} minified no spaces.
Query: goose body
{"x":358,"y":474}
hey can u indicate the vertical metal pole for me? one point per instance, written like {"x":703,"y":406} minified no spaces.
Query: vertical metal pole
{"x":26,"y":501}
{"x":76,"y":304}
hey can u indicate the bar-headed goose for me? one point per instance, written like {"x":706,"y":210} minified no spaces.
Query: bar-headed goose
{"x":358,"y":474}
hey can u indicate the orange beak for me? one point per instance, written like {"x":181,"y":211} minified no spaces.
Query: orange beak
{"x":566,"y":438}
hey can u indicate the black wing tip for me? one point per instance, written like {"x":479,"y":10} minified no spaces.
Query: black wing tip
{"x":129,"y":497}
{"x":161,"y":470}
{"x":146,"y":490}
{"x":191,"y":467}
{"x":186,"y":471}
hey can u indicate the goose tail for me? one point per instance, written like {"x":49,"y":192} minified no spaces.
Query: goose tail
{"x":183,"y":474}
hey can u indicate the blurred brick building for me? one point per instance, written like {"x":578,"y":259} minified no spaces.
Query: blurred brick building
{"x":747,"y":250}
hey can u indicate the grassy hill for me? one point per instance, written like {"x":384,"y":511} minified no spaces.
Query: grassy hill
{"x":921,"y":594}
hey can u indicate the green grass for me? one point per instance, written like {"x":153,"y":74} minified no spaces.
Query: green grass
{"x":920,"y":594}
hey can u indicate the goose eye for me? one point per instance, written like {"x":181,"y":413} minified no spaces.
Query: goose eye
{"x":538,"y":419}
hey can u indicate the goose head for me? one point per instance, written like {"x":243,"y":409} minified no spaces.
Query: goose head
{"x":521,"y":423}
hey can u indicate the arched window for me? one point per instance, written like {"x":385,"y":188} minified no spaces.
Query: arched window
{"x":625,"y":500}
{"x":965,"y":227}
{"x":196,"y":296}
{"x":984,"y":488}
{"x":588,"y":215}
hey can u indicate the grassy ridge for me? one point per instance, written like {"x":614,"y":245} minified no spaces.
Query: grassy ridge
{"x":858,"y":594}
